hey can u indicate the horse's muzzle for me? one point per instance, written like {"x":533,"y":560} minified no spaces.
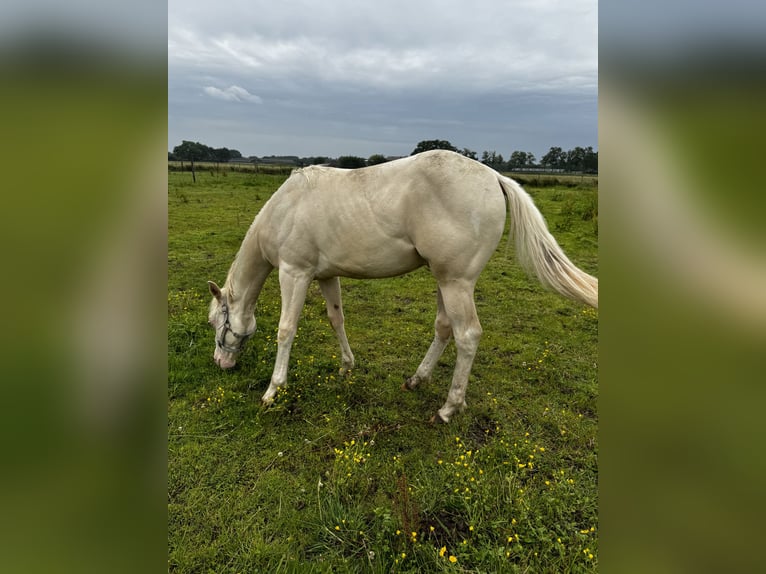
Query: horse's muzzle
{"x":224,"y":361}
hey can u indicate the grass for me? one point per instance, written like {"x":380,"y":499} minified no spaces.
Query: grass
{"x":344,"y":474}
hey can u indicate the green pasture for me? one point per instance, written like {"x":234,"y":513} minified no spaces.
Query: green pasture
{"x":345,"y":474}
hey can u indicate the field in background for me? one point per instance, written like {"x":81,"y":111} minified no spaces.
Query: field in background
{"x":223,"y":169}
{"x":344,"y":474}
{"x":534,"y":179}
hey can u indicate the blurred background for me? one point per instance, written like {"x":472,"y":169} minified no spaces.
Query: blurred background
{"x":682,"y":113}
{"x":83,"y":229}
{"x":683,"y":309}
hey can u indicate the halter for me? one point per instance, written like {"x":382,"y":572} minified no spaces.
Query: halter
{"x":241,"y":339}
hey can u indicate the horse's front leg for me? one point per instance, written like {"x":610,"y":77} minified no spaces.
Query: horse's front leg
{"x":293,"y":285}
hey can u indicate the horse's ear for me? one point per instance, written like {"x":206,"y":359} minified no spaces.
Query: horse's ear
{"x":215,"y":290}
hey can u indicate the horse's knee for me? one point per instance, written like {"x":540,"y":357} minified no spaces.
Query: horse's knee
{"x":469,"y":338}
{"x":286,"y":333}
{"x":443,"y":328}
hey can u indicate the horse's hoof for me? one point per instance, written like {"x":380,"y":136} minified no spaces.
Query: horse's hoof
{"x":345,"y":371}
{"x":437,"y":420}
{"x":410,"y":383}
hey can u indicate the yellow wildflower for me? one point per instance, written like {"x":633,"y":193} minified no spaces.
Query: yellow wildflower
{"x":453,"y":559}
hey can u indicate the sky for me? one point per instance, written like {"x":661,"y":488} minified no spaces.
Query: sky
{"x":344,"y":77}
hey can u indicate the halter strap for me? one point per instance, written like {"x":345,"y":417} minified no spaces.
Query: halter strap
{"x":241,"y":339}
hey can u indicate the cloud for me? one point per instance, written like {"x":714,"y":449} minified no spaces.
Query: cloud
{"x":346,"y":77}
{"x":491,"y":46}
{"x":232,"y":94}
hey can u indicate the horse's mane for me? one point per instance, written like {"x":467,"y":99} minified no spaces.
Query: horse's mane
{"x":309,"y":171}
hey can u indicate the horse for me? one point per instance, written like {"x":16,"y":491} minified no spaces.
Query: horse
{"x":437,"y":209}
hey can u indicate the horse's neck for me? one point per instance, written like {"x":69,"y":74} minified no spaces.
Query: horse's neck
{"x":248,"y":273}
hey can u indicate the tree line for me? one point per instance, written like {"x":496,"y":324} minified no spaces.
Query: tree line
{"x":578,"y":159}
{"x":195,"y":151}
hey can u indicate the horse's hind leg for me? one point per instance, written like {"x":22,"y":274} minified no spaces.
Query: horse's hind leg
{"x":466,"y":329}
{"x":293,"y":287}
{"x":331,"y":292}
{"x":442,"y":335}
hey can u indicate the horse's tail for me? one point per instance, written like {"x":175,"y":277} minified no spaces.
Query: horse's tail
{"x":539,"y":253}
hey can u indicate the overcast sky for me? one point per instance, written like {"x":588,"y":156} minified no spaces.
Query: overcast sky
{"x":346,"y":77}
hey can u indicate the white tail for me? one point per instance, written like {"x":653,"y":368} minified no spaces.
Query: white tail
{"x":539,"y":253}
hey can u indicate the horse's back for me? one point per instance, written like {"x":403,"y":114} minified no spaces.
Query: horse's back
{"x":435,"y":208}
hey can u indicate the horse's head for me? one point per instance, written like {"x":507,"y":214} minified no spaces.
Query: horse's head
{"x":232,"y":327}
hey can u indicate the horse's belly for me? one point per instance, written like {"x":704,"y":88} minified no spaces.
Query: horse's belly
{"x":397,"y":257}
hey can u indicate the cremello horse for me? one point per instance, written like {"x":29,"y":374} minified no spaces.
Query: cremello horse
{"x":436,"y":208}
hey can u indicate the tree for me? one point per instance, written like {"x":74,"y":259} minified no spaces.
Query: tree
{"x":575,"y":159}
{"x":590,"y":162}
{"x":468,"y":153}
{"x":517,"y":160}
{"x":375,"y":159}
{"x":427,"y":145}
{"x":351,"y":162}
{"x":521,"y":159}
{"x":492,"y":159}
{"x":554,"y":159}
{"x":222,"y":154}
{"x":193,"y":151}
